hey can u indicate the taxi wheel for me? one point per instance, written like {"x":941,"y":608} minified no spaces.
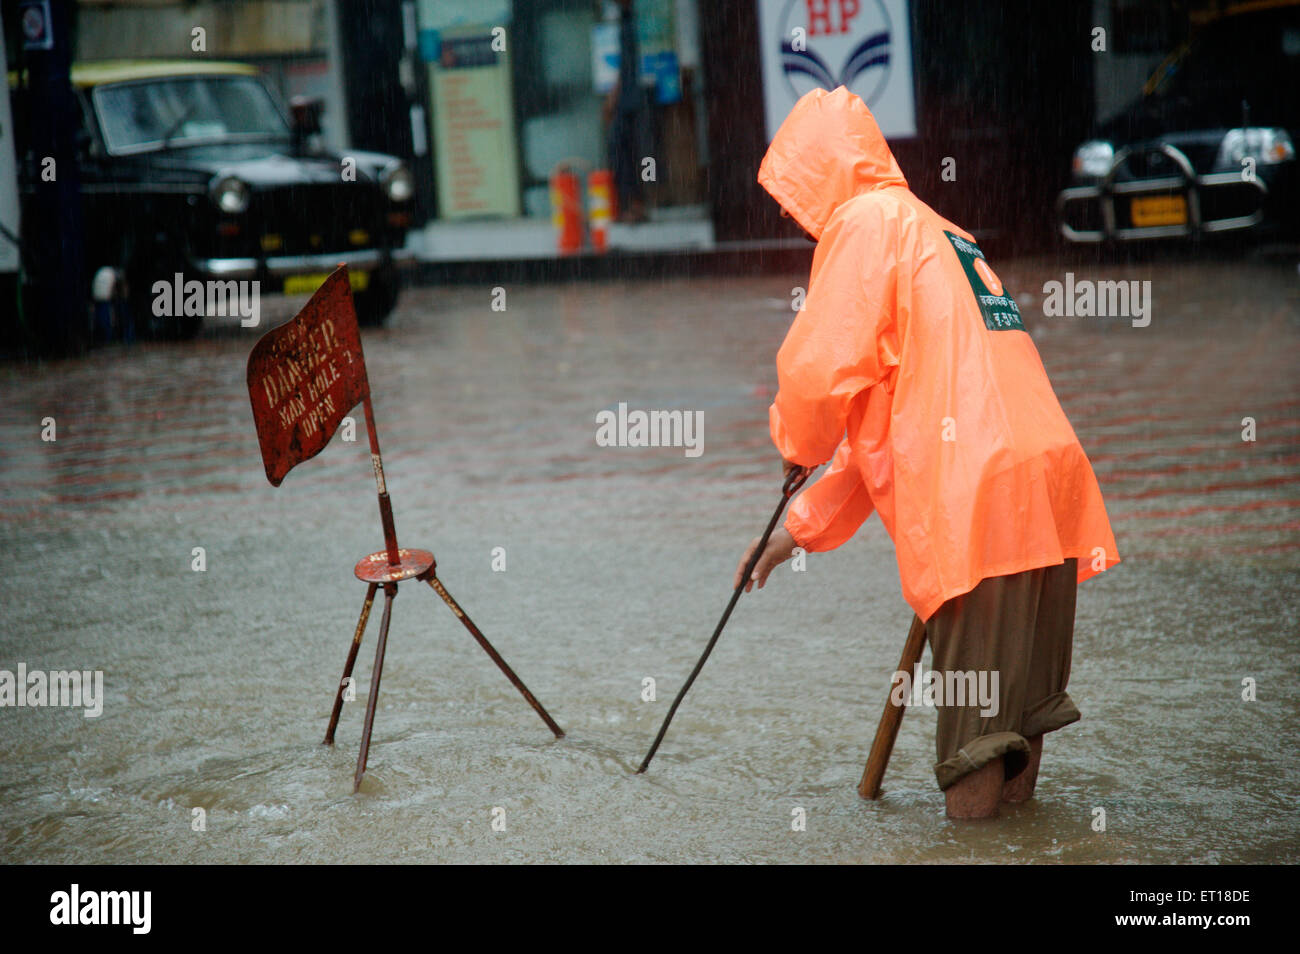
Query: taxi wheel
{"x":149,"y":326}
{"x":377,"y":302}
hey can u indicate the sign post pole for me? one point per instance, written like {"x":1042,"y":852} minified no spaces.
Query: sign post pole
{"x":385,"y":505}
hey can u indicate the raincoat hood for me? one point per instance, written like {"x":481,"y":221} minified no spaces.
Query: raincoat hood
{"x":828,"y":150}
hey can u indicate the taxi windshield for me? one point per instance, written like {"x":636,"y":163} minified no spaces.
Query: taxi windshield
{"x":1247,"y":64}
{"x":186,"y":110}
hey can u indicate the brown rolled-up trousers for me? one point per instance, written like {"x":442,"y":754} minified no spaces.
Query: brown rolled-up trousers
{"x":1021,"y":627}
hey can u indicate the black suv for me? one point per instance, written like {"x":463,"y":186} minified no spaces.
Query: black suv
{"x":193,"y":169}
{"x":1209,"y":147}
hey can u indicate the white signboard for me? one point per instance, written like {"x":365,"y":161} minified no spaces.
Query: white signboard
{"x":865,"y":45}
{"x":604,"y":57}
{"x":445,"y":14}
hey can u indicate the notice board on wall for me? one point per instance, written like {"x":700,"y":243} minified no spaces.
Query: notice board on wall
{"x":475,"y":147}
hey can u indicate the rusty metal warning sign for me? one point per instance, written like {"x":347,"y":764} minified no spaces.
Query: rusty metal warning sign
{"x":304,"y":376}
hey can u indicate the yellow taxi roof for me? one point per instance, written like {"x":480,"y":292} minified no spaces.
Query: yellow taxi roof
{"x":122,"y":71}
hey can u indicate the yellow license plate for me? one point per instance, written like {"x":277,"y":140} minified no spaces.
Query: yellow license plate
{"x":307,"y":284}
{"x":1159,"y":210}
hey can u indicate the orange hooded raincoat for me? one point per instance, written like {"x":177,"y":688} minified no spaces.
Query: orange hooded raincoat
{"x":909,"y":369}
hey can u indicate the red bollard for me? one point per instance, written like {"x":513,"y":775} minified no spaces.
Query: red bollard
{"x":566,"y":210}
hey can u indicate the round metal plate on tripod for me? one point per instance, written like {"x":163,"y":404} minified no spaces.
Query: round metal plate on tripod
{"x":376,"y":569}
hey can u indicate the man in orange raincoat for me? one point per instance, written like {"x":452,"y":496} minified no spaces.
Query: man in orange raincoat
{"x":910,"y":371}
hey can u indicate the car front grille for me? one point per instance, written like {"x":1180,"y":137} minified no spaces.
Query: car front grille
{"x":312,"y":219}
{"x":1146,"y":164}
{"x":1158,"y":161}
{"x":1175,"y":182}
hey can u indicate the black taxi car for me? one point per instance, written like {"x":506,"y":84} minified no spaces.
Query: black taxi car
{"x":193,"y":169}
{"x":1209,"y":147}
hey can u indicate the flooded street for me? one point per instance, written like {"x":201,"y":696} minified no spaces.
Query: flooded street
{"x":617,"y":562}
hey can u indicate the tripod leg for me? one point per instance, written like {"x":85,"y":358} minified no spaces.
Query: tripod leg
{"x":390,"y":591}
{"x":352,"y":659}
{"x":496,"y":657}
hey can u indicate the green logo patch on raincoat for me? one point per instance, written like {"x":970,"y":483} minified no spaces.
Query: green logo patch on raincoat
{"x":1000,"y":311}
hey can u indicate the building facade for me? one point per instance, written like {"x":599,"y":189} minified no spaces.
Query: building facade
{"x":490,"y":99}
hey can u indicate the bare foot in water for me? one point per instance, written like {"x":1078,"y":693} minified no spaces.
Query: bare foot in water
{"x":1021,"y":788}
{"x":976,"y":795}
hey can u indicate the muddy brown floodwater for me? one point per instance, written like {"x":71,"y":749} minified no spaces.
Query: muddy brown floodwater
{"x":617,"y":562}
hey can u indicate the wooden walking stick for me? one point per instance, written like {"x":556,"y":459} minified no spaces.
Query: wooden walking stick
{"x":892,"y":717}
